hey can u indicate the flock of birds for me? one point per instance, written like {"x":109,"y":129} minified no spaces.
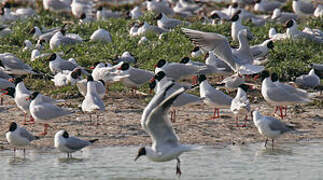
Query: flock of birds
{"x":220,"y":58}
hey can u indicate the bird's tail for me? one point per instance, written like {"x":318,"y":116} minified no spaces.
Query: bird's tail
{"x":93,"y":140}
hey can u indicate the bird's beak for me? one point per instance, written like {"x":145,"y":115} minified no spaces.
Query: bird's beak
{"x":256,"y":77}
{"x":152,"y":80}
{"x":5,"y":93}
{"x":11,"y":80}
{"x":119,"y":68}
{"x":27,"y":98}
{"x":155,"y":66}
{"x":137,"y":157}
{"x":92,"y":67}
{"x":194,"y":80}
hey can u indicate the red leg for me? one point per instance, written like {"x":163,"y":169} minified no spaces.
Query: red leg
{"x":1,"y":101}
{"x":237,"y":121}
{"x":285,"y":107}
{"x":25,"y":122}
{"x":45,"y":130}
{"x":215,"y":115}
{"x":276,"y":109}
{"x":281,"y":112}
{"x":31,"y":120}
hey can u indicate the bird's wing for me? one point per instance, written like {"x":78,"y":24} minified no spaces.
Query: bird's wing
{"x":75,"y":143}
{"x":280,"y":94}
{"x":213,"y":42}
{"x":250,"y":69}
{"x":140,"y":76}
{"x":178,"y":70}
{"x":308,"y":8}
{"x":159,"y":125}
{"x":47,"y":111}
{"x":24,"y":133}
{"x":66,"y":65}
{"x":12,"y":62}
{"x":276,"y":125}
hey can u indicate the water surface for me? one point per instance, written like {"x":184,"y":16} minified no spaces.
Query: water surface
{"x":301,"y":160}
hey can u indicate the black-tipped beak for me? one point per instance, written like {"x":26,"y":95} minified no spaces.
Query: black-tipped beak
{"x":137,"y":157}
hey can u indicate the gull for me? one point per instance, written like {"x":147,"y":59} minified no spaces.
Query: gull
{"x":233,"y":81}
{"x":104,"y":72}
{"x":303,"y":9}
{"x":240,"y":104}
{"x":273,"y":35}
{"x":213,"y":97}
{"x":293,"y":33}
{"x":266,"y":6}
{"x":262,"y":50}
{"x":176,"y":70}
{"x":211,"y":60}
{"x":5,"y":31}
{"x":143,"y":40}
{"x":100,"y":86}
{"x":158,"y":82}
{"x":134,"y":30}
{"x":145,"y":27}
{"x":159,"y":7}
{"x":80,"y":7}
{"x":45,"y":35}
{"x":4,"y":75}
{"x":135,"y":13}
{"x":270,"y":127}
{"x":126,"y":57}
{"x":60,"y":39}
{"x":69,"y":144}
{"x":101,"y":35}
{"x":217,"y":15}
{"x":243,"y":52}
{"x":278,"y":95}
{"x":184,"y":7}
{"x":92,"y":102}
{"x":318,"y":69}
{"x":19,"y":136}
{"x":209,"y":69}
{"x":57,"y":5}
{"x":35,"y":54}
{"x":4,"y":85}
{"x":154,"y":120}
{"x":43,"y":110}
{"x":196,"y":52}
{"x":137,"y":77}
{"x":104,"y":14}
{"x":13,"y":65}
{"x":57,"y":64}
{"x":308,"y":80}
{"x":221,"y":48}
{"x":67,"y":77}
{"x":282,"y":17}
{"x":236,"y":25}
{"x":85,"y":19}
{"x":319,"y":11}
{"x":167,"y":23}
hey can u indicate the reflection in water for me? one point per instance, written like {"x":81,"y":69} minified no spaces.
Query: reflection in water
{"x":301,"y":160}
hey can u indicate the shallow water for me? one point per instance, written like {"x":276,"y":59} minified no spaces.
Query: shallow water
{"x":301,"y":160}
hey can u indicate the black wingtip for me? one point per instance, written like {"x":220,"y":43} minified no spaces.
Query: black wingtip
{"x":93,"y":140}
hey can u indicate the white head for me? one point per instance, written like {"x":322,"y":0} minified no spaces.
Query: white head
{"x":276,"y":13}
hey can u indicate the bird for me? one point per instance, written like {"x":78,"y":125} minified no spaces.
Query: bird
{"x":220,"y":46}
{"x":13,"y":65}
{"x":167,"y":23}
{"x":213,"y":97}
{"x":208,"y":69}
{"x":60,"y":39}
{"x":196,"y":52}
{"x":154,"y":120}
{"x":100,"y":86}
{"x":101,"y":35}
{"x":278,"y":95}
{"x":261,"y":50}
{"x":44,"y":35}
{"x":236,"y":25}
{"x":57,"y":5}
{"x":266,"y":6}
{"x":125,"y":57}
{"x":159,"y":7}
{"x":43,"y":110}
{"x":274,"y":36}
{"x":269,"y":126}
{"x":233,"y":81}
{"x":308,"y":80}
{"x":57,"y":64}
{"x":303,"y":9}
{"x":67,"y":77}
{"x":80,"y":7}
{"x":92,"y":102}
{"x":19,"y":136}
{"x":282,"y":17}
{"x":104,"y":14}
{"x":319,"y":11}
{"x":293,"y":33}
{"x":135,"y":13}
{"x":69,"y":144}
{"x":240,"y":104}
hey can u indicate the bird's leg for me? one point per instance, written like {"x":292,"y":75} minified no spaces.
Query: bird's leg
{"x":45,"y":130}
{"x":281,"y":112}
{"x":272,"y":143}
{"x":237,"y":120}
{"x":285,"y":107}
{"x":31,"y":120}
{"x":266,"y":142}
{"x":173,"y":115}
{"x":14,"y":152}
{"x":218,"y":113}
{"x":71,"y":155}
{"x":245,"y":120}
{"x":216,"y":110}
{"x":25,"y":122}
{"x":68,"y":155}
{"x":276,"y":109}
{"x":1,"y":100}
{"x":24,"y":153}
{"x":97,"y":119}
{"x":178,"y":167}
{"x":194,"y":80}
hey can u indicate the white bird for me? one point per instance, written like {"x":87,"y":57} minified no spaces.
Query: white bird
{"x":43,"y":110}
{"x":67,"y":77}
{"x":154,"y":120}
{"x":270,"y":127}
{"x":92,"y":102}
{"x":133,"y":31}
{"x":207,"y":69}
{"x":308,"y":80}
{"x":213,"y":97}
{"x":19,"y":136}
{"x":303,"y":9}
{"x":35,"y":54}
{"x":104,"y":72}
{"x":221,"y":48}
{"x":101,"y":35}
{"x":319,"y":11}
{"x":196,"y":52}
{"x":145,"y":27}
{"x":293,"y":33}
{"x":104,"y":14}
{"x":57,"y":64}
{"x":57,"y":5}
{"x":5,"y":31}
{"x":100,"y":86}
{"x":236,"y":25}
{"x":282,"y":17}
{"x":233,"y":81}
{"x":46,"y":35}
{"x":273,"y":35}
{"x":167,"y":23}
{"x":261,"y":50}
{"x":13,"y":65}
{"x":143,"y":40}
{"x":69,"y":144}
{"x":159,"y":7}
{"x":266,"y":6}
{"x":240,"y":105}
{"x":126,"y":57}
{"x":80,"y":7}
{"x":278,"y":95}
{"x":59,"y":39}
{"x":135,"y":13}
{"x":211,"y":60}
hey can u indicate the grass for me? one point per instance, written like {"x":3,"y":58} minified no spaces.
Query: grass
{"x":289,"y":58}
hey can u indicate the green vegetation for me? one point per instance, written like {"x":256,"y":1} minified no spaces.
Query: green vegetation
{"x":289,"y":58}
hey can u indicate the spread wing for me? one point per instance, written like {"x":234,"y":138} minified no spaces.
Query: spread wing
{"x":76,"y":143}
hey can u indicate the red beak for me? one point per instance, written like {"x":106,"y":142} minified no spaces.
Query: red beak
{"x":256,"y":77}
{"x":119,"y":68}
{"x":92,"y":67}
{"x":194,"y":80}
{"x":27,"y":98}
{"x":152,"y":79}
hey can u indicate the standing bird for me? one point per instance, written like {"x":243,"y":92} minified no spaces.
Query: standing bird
{"x":20,"y":96}
{"x":240,"y":104}
{"x":92,"y":102}
{"x":155,"y":122}
{"x":100,"y":86}
{"x":43,"y":110}
{"x":269,"y":127}
{"x":19,"y":136}
{"x":236,"y":25}
{"x":69,"y":144}
{"x":213,"y":97}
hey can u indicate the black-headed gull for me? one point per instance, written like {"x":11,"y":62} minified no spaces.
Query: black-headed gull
{"x":19,"y":136}
{"x":13,"y":65}
{"x":308,"y":80}
{"x":101,"y":35}
{"x":294,"y":33}
{"x":155,"y":122}
{"x":240,"y":105}
{"x":57,"y":64}
{"x":159,"y":7}
{"x":167,"y":23}
{"x":266,"y":6}
{"x":236,"y":25}
{"x":303,"y":9}
{"x":69,"y":144}
{"x":100,"y":86}
{"x":261,"y":50}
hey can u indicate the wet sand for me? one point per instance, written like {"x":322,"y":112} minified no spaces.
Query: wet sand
{"x":120,"y":123}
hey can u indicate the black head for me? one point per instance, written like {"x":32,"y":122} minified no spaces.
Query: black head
{"x":141,"y":152}
{"x":63,"y":31}
{"x":18,"y":80}
{"x":257,"y":1}
{"x":102,"y":82}
{"x":41,"y":41}
{"x":34,"y":95}
{"x":10,"y":91}
{"x":65,"y":134}
{"x":1,"y":64}
{"x":289,"y":24}
{"x":235,"y":18}
{"x":83,"y":16}
{"x":206,"y":55}
{"x":2,"y":11}
{"x":196,"y":48}
{"x":76,"y":73}
{"x":124,"y":67}
{"x":32,"y":31}
{"x":215,"y":16}
{"x":274,"y":77}
{"x":244,"y":87}
{"x":235,"y":5}
{"x":185,"y":60}
{"x":52,"y":57}
{"x":13,"y":126}
{"x":152,"y":84}
{"x":160,"y":75}
{"x":160,"y":15}
{"x":201,"y":78}
{"x":89,"y":78}
{"x":161,"y":63}
{"x":264,"y":74}
{"x":100,"y":8}
{"x":270,"y":45}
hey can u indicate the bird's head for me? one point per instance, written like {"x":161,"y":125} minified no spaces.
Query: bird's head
{"x":13,"y":126}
